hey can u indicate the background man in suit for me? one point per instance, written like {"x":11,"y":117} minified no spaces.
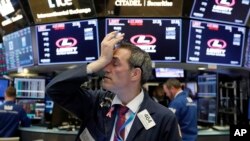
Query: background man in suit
{"x":183,"y":107}
{"x":125,"y":68}
{"x":11,"y":115}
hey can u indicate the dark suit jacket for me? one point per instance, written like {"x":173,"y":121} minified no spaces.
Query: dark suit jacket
{"x":92,"y":108}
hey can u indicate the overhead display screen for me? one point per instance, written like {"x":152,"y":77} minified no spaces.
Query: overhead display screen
{"x":247,"y":54}
{"x":228,"y":11}
{"x":69,"y":42}
{"x":12,"y":16}
{"x":215,"y":43}
{"x":18,"y":49}
{"x":159,"y":37}
{"x":145,"y":8}
{"x":3,"y":69}
{"x":47,"y":11}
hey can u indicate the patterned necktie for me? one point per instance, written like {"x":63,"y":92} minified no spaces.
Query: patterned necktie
{"x":120,"y":133}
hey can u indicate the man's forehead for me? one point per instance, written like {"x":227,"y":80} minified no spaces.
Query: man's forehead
{"x":121,"y":54}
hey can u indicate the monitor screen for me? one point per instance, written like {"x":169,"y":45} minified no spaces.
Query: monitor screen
{"x":207,"y":43}
{"x":18,"y":49}
{"x":30,"y":87}
{"x":161,"y":38}
{"x":34,"y":108}
{"x":226,"y":11}
{"x":47,"y":11}
{"x":69,"y":42}
{"x":4,"y":83}
{"x":49,"y":104}
{"x":168,"y":73}
{"x":138,"y":8}
{"x":206,"y":110}
{"x":207,"y":85}
{"x":3,"y":69}
{"x":193,"y":87}
{"x":247,"y":53}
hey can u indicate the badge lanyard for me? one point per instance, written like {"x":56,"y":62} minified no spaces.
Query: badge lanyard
{"x":131,"y":117}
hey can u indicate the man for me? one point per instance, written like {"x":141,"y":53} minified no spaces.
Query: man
{"x":125,"y":68}
{"x":11,"y":115}
{"x":160,"y":96}
{"x":183,"y":107}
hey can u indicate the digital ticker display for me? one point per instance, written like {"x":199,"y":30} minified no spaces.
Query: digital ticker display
{"x":68,"y":42}
{"x":215,"y":43}
{"x":159,"y":37}
{"x":228,"y":11}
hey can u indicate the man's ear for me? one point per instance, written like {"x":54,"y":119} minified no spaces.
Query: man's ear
{"x":136,"y":74}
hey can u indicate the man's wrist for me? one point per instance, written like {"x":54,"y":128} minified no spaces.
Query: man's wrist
{"x":96,"y":66}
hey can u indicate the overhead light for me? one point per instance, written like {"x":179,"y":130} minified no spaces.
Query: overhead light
{"x":201,"y":68}
{"x":25,"y":71}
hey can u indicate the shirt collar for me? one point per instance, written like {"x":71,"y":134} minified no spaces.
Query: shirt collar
{"x":134,"y":104}
{"x":178,"y":93}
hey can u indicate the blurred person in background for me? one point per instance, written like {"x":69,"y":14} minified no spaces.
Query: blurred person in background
{"x":11,"y":115}
{"x":183,"y":107}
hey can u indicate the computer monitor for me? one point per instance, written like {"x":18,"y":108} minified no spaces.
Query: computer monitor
{"x":193,"y":87}
{"x":4,"y":83}
{"x":33,"y":107}
{"x":30,"y":87}
{"x":49,"y":106}
{"x":207,"y":99}
{"x":207,"y":111}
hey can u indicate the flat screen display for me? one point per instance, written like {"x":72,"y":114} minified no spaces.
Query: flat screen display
{"x":69,"y":42}
{"x":30,"y":88}
{"x":247,"y":54}
{"x":168,"y":73}
{"x":4,"y":83}
{"x":47,"y":11}
{"x":227,"y":11}
{"x":161,"y":38}
{"x":3,"y":69}
{"x":12,"y":16}
{"x":34,"y":108}
{"x":145,"y":8}
{"x":18,"y":49}
{"x":215,"y":43}
{"x":207,"y":110}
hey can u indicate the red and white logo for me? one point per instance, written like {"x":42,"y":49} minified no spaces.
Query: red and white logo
{"x":227,"y":3}
{"x":66,"y":42}
{"x":217,"y":43}
{"x":143,"y":39}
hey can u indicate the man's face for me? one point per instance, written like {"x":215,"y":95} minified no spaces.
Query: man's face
{"x":117,"y":72}
{"x":169,"y":92}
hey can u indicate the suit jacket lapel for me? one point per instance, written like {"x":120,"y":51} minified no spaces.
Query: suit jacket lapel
{"x":109,"y":124}
{"x":137,"y":125}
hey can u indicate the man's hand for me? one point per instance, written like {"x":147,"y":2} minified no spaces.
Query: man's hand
{"x":107,"y":49}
